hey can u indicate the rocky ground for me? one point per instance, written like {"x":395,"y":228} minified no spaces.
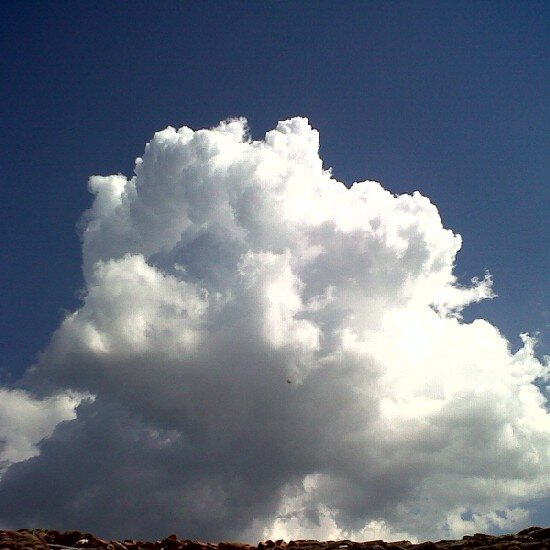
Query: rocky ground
{"x":533,"y":538}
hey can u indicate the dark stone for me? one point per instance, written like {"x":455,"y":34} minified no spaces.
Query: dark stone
{"x":527,"y":531}
{"x":22,"y":540}
{"x":238,"y":545}
{"x":540,"y":534}
{"x":428,"y":545}
{"x":531,"y":538}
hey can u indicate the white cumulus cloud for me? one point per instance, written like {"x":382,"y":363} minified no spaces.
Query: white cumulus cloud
{"x":25,"y":421}
{"x":272,"y":354}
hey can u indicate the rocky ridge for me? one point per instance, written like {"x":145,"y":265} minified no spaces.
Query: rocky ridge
{"x":532,"y":538}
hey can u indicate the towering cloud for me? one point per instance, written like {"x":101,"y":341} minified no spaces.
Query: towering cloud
{"x":267,"y":352}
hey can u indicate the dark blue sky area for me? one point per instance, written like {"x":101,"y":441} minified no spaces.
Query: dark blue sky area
{"x":448,"y":98}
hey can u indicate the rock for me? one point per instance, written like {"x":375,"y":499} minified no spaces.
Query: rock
{"x":342,"y":544}
{"x":531,"y":538}
{"x":238,"y":545}
{"x":527,"y":531}
{"x":233,"y":545}
{"x":398,"y":545}
{"x":540,"y":534}
{"x":428,"y":545}
{"x":172,"y":542}
{"x":22,"y":540}
{"x":70,"y":538}
{"x":500,"y":546}
{"x":198,"y":545}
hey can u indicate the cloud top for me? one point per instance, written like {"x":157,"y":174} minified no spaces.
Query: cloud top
{"x":271,"y":353}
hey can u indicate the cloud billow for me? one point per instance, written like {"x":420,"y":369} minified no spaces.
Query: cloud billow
{"x":261,"y":351}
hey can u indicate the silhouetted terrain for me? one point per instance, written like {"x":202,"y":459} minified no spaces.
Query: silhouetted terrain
{"x":532,"y":538}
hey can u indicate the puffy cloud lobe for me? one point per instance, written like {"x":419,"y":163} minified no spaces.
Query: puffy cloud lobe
{"x":226,"y":267}
{"x":25,"y":421}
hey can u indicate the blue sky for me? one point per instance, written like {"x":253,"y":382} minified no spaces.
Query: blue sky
{"x":447,"y":98}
